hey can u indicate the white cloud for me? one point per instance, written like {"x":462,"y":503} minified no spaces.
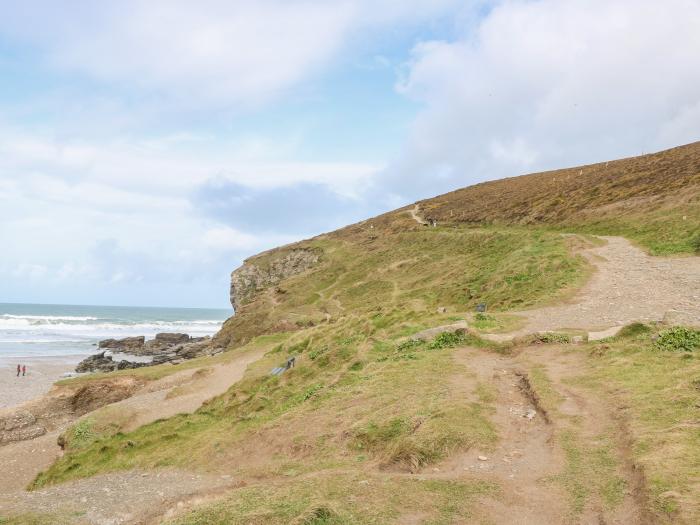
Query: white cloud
{"x":549,"y":83}
{"x":213,"y":52}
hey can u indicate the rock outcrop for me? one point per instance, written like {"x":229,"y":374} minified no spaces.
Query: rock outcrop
{"x":163,"y":342}
{"x":268,"y":270}
{"x":128,"y":344}
{"x":165,"y":348}
{"x":105,"y":363}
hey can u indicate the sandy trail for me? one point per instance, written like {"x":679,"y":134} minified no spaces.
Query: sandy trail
{"x":415,"y":215}
{"x":627,"y":286}
{"x":121,"y":497}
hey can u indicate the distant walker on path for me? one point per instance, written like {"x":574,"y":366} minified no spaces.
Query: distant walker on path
{"x":24,"y":370}
{"x":19,"y":368}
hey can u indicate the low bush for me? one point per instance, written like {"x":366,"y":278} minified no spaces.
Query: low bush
{"x":552,"y":338}
{"x":678,"y":339}
{"x":448,"y":340}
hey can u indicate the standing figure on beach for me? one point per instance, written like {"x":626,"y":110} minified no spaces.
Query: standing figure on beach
{"x":18,"y":370}
{"x":24,"y":370}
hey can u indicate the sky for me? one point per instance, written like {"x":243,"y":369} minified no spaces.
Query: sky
{"x":147,"y":147}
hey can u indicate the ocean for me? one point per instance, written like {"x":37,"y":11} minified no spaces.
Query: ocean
{"x":35,"y":331}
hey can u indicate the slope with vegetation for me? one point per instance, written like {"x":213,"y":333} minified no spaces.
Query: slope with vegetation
{"x":378,"y":423}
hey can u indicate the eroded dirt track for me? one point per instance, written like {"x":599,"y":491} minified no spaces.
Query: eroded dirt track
{"x":561,"y":456}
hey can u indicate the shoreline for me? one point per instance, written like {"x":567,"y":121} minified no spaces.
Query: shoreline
{"x":42,"y":373}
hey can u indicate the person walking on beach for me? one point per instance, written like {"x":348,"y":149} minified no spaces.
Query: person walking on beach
{"x":24,"y":370}
{"x":18,"y":370}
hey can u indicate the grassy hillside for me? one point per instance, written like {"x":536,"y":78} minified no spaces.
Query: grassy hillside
{"x":351,"y":433}
{"x":653,"y":199}
{"x":349,"y":317}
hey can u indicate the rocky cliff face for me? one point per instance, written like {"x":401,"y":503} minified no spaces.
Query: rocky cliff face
{"x":260,"y":273}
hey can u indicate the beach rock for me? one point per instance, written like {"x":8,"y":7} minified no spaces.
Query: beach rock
{"x":98,"y":362}
{"x":126,"y":344}
{"x":164,"y":342}
{"x":166,"y":347}
{"x":172,"y":338}
{"x":105,"y":363}
{"x":268,"y":269}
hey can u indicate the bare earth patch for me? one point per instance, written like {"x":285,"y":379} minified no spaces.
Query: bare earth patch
{"x":628,"y":286}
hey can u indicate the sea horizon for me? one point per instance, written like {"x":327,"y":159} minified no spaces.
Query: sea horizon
{"x":69,"y":331}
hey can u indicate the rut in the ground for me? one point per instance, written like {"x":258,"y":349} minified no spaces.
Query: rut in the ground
{"x":529,"y":460}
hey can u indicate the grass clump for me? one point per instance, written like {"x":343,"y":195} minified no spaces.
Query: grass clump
{"x":678,"y":339}
{"x":553,"y":338}
{"x":634,"y":330}
{"x":449,"y":340}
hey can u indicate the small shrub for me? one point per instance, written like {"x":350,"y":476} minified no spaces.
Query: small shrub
{"x":448,"y":340}
{"x":678,"y":339}
{"x":411,"y":344}
{"x":483,"y":317}
{"x":553,"y":338}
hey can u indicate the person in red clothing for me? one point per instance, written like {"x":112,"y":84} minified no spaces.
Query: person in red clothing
{"x":18,"y":370}
{"x":24,"y":370}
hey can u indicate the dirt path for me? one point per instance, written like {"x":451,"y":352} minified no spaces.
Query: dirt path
{"x":547,"y":459}
{"x":524,"y":456}
{"x":204,"y":383}
{"x":116,"y":498}
{"x":415,"y":215}
{"x":628,"y":286}
{"x":124,"y":496}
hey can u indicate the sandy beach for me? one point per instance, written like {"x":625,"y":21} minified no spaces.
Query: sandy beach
{"x":41,"y":375}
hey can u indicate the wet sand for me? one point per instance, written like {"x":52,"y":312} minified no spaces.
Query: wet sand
{"x":42,"y":373}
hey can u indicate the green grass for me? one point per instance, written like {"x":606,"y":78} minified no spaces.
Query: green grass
{"x":590,"y":470}
{"x":662,"y":392}
{"x":351,"y":372}
{"x":591,"y":465}
{"x":396,"y":279}
{"x":327,"y":392}
{"x":495,"y":323}
{"x":678,"y":339}
{"x":343,"y":499}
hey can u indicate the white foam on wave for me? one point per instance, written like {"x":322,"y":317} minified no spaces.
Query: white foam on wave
{"x":50,"y":317}
{"x":23,"y":331}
